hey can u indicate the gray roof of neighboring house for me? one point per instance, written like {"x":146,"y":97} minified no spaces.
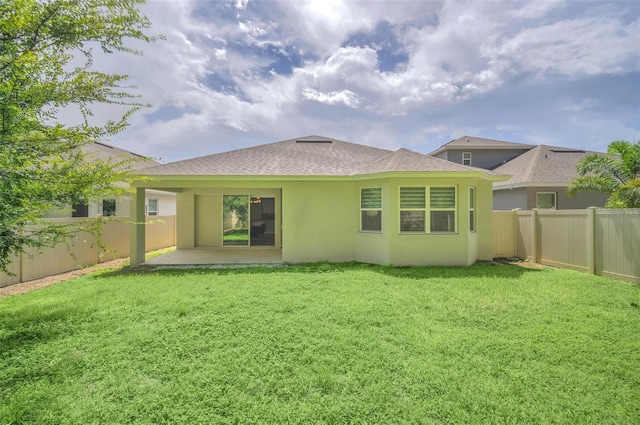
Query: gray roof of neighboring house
{"x":542,"y":164}
{"x":470,"y":142}
{"x":308,"y":156}
{"x":103,"y":151}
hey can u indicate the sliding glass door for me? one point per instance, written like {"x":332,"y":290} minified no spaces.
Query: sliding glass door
{"x":235,"y":219}
{"x":263,"y":221}
{"x":248,"y":221}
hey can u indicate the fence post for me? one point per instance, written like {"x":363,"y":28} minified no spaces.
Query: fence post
{"x":20,"y":262}
{"x":515,"y":231}
{"x":534,"y":238}
{"x":591,"y":239}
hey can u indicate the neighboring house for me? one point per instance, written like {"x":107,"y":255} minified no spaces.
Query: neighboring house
{"x":540,"y":174}
{"x":156,"y":202}
{"x":479,"y":152}
{"x":316,"y":198}
{"x":540,"y":178}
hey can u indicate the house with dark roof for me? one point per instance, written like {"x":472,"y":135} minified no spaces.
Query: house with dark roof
{"x":316,"y":198}
{"x":540,"y":174}
{"x":156,"y":202}
{"x":540,"y":178}
{"x":479,"y":152}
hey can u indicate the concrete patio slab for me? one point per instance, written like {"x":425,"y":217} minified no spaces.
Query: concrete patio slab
{"x":181,"y":257}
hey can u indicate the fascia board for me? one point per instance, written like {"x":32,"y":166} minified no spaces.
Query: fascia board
{"x":502,"y":186}
{"x":175,"y":181}
{"x":433,"y":174}
{"x":160,"y":192}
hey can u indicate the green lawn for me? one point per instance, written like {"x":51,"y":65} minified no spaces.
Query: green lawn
{"x":237,"y":236}
{"x":323,"y":344}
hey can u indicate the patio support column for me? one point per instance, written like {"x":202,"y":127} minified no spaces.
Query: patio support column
{"x":137,"y":235}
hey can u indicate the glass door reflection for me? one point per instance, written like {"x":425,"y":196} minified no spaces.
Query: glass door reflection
{"x":263,"y":220}
{"x":235,"y":220}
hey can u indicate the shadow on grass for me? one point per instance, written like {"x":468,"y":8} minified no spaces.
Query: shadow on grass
{"x":30,"y":327}
{"x":479,"y":270}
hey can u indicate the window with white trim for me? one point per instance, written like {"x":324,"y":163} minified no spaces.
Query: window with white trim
{"x":108,"y":207}
{"x":412,"y":209}
{"x":442,"y":206}
{"x":428,"y":209}
{"x":546,"y":200}
{"x":466,"y":158}
{"x":152,"y":207}
{"x":371,"y":209}
{"x":472,"y":209}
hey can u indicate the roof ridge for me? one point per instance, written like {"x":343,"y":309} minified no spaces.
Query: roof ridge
{"x":395,"y":156}
{"x":385,"y":156}
{"x":533,"y":163}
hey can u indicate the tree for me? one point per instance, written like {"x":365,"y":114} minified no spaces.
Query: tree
{"x":617,"y":173}
{"x":238,"y":204}
{"x":46,"y":68}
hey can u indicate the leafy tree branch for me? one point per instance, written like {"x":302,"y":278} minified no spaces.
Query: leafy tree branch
{"x":46,"y":67}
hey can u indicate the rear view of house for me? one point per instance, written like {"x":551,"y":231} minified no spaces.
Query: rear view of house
{"x":316,"y":198}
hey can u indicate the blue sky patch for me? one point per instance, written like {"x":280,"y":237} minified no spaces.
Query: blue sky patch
{"x":168,"y":113}
{"x":390,"y":52}
{"x":281,"y":60}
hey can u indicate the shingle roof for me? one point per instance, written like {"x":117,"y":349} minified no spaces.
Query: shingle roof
{"x":307,"y":156}
{"x":102,"y":151}
{"x":542,"y":164}
{"x":470,"y":142}
{"x":407,"y":160}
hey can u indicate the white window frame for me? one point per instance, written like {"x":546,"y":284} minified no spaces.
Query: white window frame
{"x":148,"y":207}
{"x":428,"y":209}
{"x":115,"y":207}
{"x":472,"y":210}
{"x":466,"y":158}
{"x":371,"y":209}
{"x":555,"y":200}
{"x":424,"y":210}
{"x":454,"y":209}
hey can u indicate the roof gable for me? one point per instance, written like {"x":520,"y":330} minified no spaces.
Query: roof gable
{"x":542,"y":164}
{"x":105,"y":152}
{"x":471,"y":143}
{"x":405,"y":160}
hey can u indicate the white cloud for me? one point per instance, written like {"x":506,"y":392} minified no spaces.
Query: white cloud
{"x":241,"y":4}
{"x":537,"y":9}
{"x":588,"y":46}
{"x":345,"y":97}
{"x":220,"y":54}
{"x":457,"y":52}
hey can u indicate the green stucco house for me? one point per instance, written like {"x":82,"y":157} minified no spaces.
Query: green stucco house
{"x":316,"y":198}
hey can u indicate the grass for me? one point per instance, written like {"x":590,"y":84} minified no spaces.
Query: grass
{"x":237,"y":234}
{"x":323,"y":344}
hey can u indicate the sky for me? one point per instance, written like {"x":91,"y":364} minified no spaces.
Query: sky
{"x":390,"y":74}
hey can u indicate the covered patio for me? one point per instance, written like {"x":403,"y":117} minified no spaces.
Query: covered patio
{"x":212,"y":256}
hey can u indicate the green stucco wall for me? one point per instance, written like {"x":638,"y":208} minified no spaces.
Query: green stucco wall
{"x":320,"y":220}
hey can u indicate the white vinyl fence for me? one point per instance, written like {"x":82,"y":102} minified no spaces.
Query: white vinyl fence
{"x":81,"y":251}
{"x":598,"y":241}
